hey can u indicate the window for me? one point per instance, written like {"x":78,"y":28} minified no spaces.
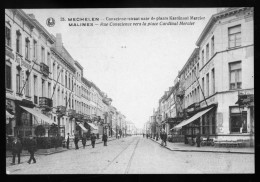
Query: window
{"x":207,"y":52}
{"x":18,"y":80}
{"x":49,"y":90}
{"x":35,"y":49}
{"x":202,"y":57}
{"x":35,"y":89}
{"x":8,"y":36}
{"x":27,"y":86}
{"x":8,"y":74}
{"x":203,"y":88}
{"x":213,"y":80}
{"x":66,"y":80}
{"x":207,"y":85}
{"x":234,"y":36}
{"x":235,"y":75}
{"x":212,"y":46}
{"x":18,"y":41}
{"x":54,"y":72}
{"x":238,"y":120}
{"x":49,"y":59}
{"x":43,"y":55}
{"x":27,"y":48}
{"x":43,"y":88}
{"x":69,"y":82}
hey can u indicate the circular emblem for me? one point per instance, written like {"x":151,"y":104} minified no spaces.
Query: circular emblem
{"x":50,"y":22}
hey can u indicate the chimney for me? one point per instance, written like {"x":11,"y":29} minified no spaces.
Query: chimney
{"x":58,"y":43}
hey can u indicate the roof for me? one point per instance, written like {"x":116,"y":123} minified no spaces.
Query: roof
{"x":86,"y":82}
{"x":195,"y":52}
{"x":78,"y":65}
{"x":213,"y":19}
{"x":42,"y":29}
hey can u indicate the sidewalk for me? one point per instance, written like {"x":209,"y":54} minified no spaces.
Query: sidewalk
{"x":188,"y":148}
{"x":72,"y":147}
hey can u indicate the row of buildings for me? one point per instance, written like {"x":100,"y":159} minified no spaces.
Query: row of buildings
{"x":213,"y":94}
{"x":46,"y":86}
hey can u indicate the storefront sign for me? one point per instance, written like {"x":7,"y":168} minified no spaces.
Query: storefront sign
{"x":245,"y":100}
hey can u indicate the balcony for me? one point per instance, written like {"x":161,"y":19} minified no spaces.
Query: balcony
{"x":180,"y":93}
{"x":61,"y":110}
{"x":44,"y":69}
{"x":45,"y":102}
{"x":78,"y":116}
{"x":71,"y":113}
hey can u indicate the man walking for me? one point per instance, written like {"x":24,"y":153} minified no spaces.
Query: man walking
{"x":93,"y":140}
{"x":32,"y":147}
{"x":76,"y":140}
{"x":104,"y":138}
{"x":84,"y":140}
{"x":163,"y":136}
{"x":16,"y":150}
{"x":68,"y":140}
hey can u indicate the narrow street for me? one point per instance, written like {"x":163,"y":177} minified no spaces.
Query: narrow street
{"x":134,"y":155}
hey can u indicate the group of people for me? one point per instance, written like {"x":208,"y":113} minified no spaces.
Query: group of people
{"x":84,"y":140}
{"x":32,"y":146}
{"x":17,"y":149}
{"x":163,"y":136}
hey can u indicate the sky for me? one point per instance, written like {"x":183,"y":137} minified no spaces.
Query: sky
{"x":133,"y":65}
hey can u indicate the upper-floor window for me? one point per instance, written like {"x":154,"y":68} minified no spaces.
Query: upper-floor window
{"x":203,"y":86}
{"x":49,"y":59}
{"x":235,"y":75}
{"x":207,"y":85}
{"x":8,"y":35}
{"x":27,"y":86}
{"x":8,"y":75}
{"x":27,"y":48}
{"x":234,"y":36}
{"x":207,"y":52}
{"x":202,"y":57}
{"x":212,"y":46}
{"x":34,"y":49}
{"x":18,"y":41}
{"x":213,"y":80}
{"x":43,"y":54}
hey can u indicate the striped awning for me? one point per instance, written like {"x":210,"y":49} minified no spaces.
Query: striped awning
{"x":8,"y":115}
{"x":82,"y":127}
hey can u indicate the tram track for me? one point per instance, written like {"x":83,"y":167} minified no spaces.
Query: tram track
{"x":120,"y":153}
{"x":131,"y":158}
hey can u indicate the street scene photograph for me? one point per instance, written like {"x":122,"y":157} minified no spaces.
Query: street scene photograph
{"x":130,"y":91}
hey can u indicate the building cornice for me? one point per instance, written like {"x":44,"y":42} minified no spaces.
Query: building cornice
{"x":214,"y":18}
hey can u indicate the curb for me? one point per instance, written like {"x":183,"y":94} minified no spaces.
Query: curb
{"x":57,"y":151}
{"x":181,"y":150}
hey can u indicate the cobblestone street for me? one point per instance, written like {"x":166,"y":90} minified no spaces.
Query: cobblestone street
{"x":134,"y":155}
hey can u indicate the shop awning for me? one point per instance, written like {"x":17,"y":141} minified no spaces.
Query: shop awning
{"x":93,"y":126}
{"x":113,"y":130}
{"x":187,"y":121}
{"x":82,"y":127}
{"x":38,"y":114}
{"x":8,"y":115}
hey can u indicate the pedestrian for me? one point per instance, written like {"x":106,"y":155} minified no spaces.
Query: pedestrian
{"x":104,"y":138}
{"x":147,"y":135}
{"x":32,"y":147}
{"x":198,"y":139}
{"x":76,"y":140}
{"x":16,"y":150}
{"x":118,"y":135}
{"x":84,"y":140}
{"x":93,"y":140}
{"x":68,"y":140}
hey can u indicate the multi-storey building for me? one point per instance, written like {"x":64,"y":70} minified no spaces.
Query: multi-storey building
{"x":28,"y":81}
